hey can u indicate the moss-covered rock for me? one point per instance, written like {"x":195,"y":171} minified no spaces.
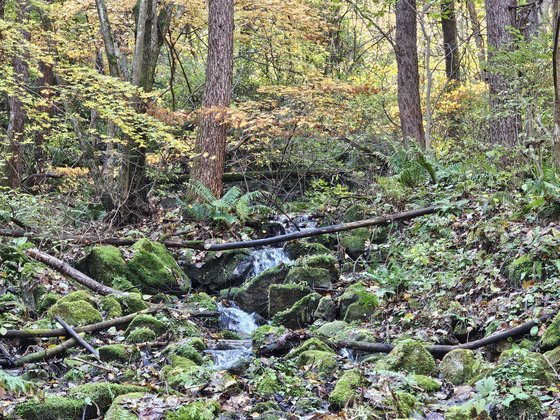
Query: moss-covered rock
{"x":553,"y":357}
{"x":196,"y":410}
{"x":268,"y":382}
{"x":102,"y":394}
{"x":106,"y":265}
{"x":357,"y":304}
{"x":345,"y":390}
{"x":332,"y":329}
{"x":230,"y":335}
{"x":51,"y":408}
{"x":551,"y":336}
{"x":459,"y":366}
{"x":324,"y":362}
{"x":326,"y":310}
{"x":147,"y":321}
{"x":221,"y":270}
{"x":410,"y":356}
{"x":283,"y":296}
{"x":355,"y":242}
{"x":311,"y":344}
{"x":120,"y":408}
{"x":301,"y":314}
{"x":75,"y":313}
{"x":47,"y":300}
{"x":404,"y":403}
{"x":120,"y":353}
{"x":314,"y":277}
{"x":201,"y":301}
{"x":298,"y":249}
{"x":324,"y":261}
{"x":266,"y":334}
{"x":131,"y":303}
{"x":461,"y":412}
{"x":253,"y":295}
{"x":141,"y":335}
{"x":427,"y":383}
{"x":110,"y":307}
{"x":525,"y":365}
{"x":183,"y":373}
{"x":77,"y":296}
{"x":529,"y":408}
{"x":156,"y":269}
{"x":187,"y":351}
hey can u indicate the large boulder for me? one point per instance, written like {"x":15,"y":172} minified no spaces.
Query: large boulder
{"x":346,"y":389}
{"x":156,"y":269}
{"x":459,"y":366}
{"x":52,"y":408}
{"x":298,"y":249}
{"x":253,"y":295}
{"x":106,"y":265}
{"x":357,"y":304}
{"x":314,"y":277}
{"x":76,"y":309}
{"x":526,"y":365}
{"x":221,"y":270}
{"x":283,"y":296}
{"x":410,"y":356}
{"x":301,"y":314}
{"x":102,"y":394}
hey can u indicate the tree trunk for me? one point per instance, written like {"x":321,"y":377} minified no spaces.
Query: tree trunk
{"x":406,"y":51}
{"x":208,"y":166}
{"x":46,"y":83}
{"x":107,"y":35}
{"x":16,"y":124}
{"x":478,"y":39}
{"x":504,"y":123}
{"x":450,"y":43}
{"x":556,"y":75}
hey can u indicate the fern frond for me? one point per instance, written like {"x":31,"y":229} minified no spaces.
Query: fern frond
{"x":201,"y":191}
{"x":230,"y":197}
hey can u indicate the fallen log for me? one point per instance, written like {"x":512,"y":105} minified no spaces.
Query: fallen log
{"x":200,"y":245}
{"x":71,"y":272}
{"x":76,"y":336}
{"x":40,"y":356}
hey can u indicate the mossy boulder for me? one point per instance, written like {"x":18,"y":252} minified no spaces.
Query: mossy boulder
{"x":357,"y":304}
{"x":324,"y":261}
{"x":326,"y":310}
{"x":131,"y":303}
{"x":298,"y":249}
{"x":147,"y":321}
{"x":47,"y":300}
{"x":102,"y":394}
{"x":283,"y":296}
{"x":332,"y":329}
{"x":459,"y":366}
{"x":553,"y":357}
{"x":530,"y":367}
{"x":345,"y":390}
{"x":75,"y":313}
{"x":120,"y":408}
{"x":141,"y":335}
{"x":355,"y":242}
{"x":301,"y":314}
{"x":253,"y":295}
{"x":196,"y":410}
{"x":427,"y":383}
{"x":461,"y":412}
{"x":51,"y":408}
{"x":314,"y":277}
{"x":119,"y":353}
{"x":311,"y":344}
{"x":404,"y":403}
{"x":410,"y":356}
{"x":106,"y":264}
{"x":551,"y":336}
{"x":529,"y":408}
{"x":110,"y":307}
{"x":323,"y":362}
{"x":183,"y":373}
{"x":187,"y":351}
{"x":156,"y":269}
{"x":221,"y":270}
{"x":201,"y":301}
{"x":266,"y":334}
{"x":269,"y":382}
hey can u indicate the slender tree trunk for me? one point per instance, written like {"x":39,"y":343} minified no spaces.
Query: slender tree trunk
{"x":406,"y":51}
{"x":46,"y":83}
{"x":16,"y":124}
{"x":504,"y":123}
{"x":478,"y":39}
{"x":107,"y":35}
{"x":208,"y":166}
{"x":556,"y":75}
{"x":450,"y":43}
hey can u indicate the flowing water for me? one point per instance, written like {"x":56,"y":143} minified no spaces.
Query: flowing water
{"x":266,"y":258}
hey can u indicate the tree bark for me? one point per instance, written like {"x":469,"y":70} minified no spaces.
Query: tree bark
{"x":556,"y":76}
{"x":504,"y":123}
{"x":406,"y":51}
{"x":107,"y":35}
{"x":210,"y":148}
{"x":450,"y":40}
{"x":16,"y":124}
{"x":478,"y":39}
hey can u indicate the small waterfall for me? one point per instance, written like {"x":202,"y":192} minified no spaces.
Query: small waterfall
{"x":234,"y":319}
{"x":265,"y":258}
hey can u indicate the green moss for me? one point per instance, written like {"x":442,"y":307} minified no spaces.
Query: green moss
{"x":47,"y":301}
{"x":120,"y":410}
{"x":141,"y":335}
{"x":106,"y":264}
{"x":131,"y":303}
{"x":354,"y":243}
{"x":529,"y":408}
{"x":120,"y":353}
{"x":51,"y":408}
{"x":269,"y":382}
{"x":196,"y":410}
{"x":324,"y":362}
{"x":325,"y":261}
{"x":111,"y":307}
{"x":311,"y":344}
{"x":77,"y":296}
{"x":532,"y":368}
{"x":102,"y":394}
{"x":553,"y":357}
{"x":404,"y":403}
{"x":201,"y":301}
{"x":147,"y":321}
{"x":357,"y":304}
{"x":426,"y":383}
{"x":283,"y":296}
{"x":156,"y":268}
{"x":551,"y":336}
{"x":187,"y":351}
{"x":266,"y":334}
{"x":122,"y":283}
{"x":298,"y":249}
{"x":345,"y":390}
{"x":230,"y":335}
{"x":183,"y":373}
{"x":196,"y":342}
{"x":301,"y":314}
{"x":459,"y":366}
{"x":461,"y":412}
{"x":75,"y":313}
{"x":332,"y":329}
{"x":410,"y":356}
{"x":313,"y":277}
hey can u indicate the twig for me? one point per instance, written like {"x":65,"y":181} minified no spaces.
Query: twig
{"x":40,"y":356}
{"x":74,"y":334}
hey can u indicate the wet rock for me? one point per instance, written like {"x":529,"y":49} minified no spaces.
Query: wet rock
{"x":299,"y":249}
{"x":156,"y":269}
{"x":253,"y":295}
{"x":410,"y":356}
{"x":459,"y":366}
{"x":221,"y":270}
{"x":301,"y":314}
{"x":345,"y":390}
{"x":283,"y":296}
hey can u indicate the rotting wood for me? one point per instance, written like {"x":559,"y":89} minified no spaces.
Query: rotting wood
{"x":40,"y":356}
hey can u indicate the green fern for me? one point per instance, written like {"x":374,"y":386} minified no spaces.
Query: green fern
{"x":411,"y":166}
{"x":201,"y":191}
{"x":15,"y":385}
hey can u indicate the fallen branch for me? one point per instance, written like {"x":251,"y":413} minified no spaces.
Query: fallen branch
{"x":71,"y":272}
{"x":200,"y":245}
{"x":76,"y":336}
{"x":40,"y":356}
{"x":283,"y":344}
